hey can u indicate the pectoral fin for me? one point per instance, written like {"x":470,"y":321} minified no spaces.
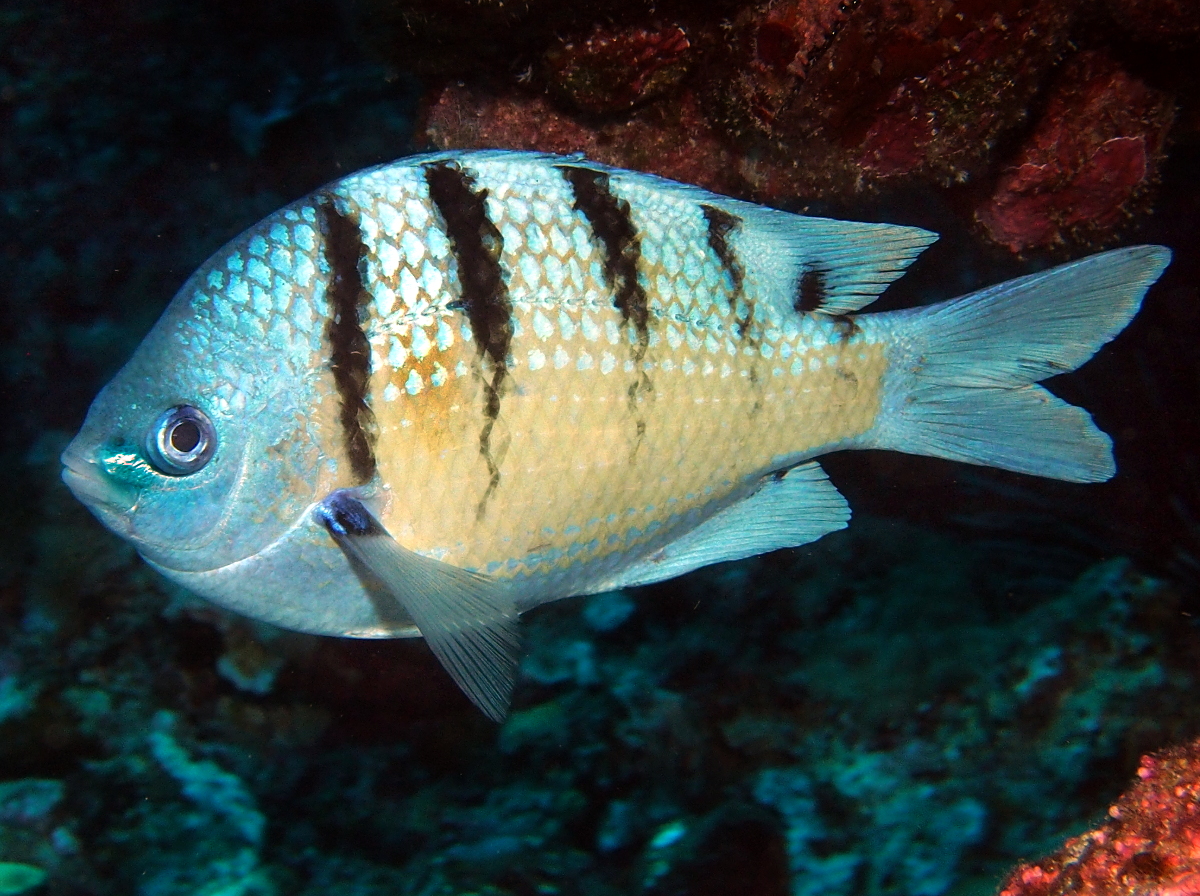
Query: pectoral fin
{"x":468,"y":620}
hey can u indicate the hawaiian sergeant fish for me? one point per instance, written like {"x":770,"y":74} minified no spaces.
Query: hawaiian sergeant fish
{"x":437,"y":393}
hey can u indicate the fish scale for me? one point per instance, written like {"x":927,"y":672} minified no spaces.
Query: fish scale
{"x":702,"y":392}
{"x":436,"y":394}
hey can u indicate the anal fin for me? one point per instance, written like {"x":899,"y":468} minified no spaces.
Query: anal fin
{"x":468,"y":620}
{"x":786,"y":511}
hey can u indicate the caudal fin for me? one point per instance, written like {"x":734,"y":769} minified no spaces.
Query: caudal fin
{"x":962,"y":374}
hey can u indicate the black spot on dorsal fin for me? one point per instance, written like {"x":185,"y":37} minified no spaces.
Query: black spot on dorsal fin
{"x":612,"y":223}
{"x":811,"y":291}
{"x":349,"y":351}
{"x":476,"y":243}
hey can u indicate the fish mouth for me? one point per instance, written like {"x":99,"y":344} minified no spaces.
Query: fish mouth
{"x":89,"y":484}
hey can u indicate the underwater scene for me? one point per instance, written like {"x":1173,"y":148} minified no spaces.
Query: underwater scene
{"x":981,"y":682}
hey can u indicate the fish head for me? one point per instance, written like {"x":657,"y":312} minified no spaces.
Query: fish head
{"x":205,"y":448}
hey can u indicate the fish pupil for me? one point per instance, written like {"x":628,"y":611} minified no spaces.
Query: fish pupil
{"x":185,"y":436}
{"x":181,"y":442}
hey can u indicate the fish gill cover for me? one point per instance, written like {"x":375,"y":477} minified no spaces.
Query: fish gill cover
{"x":959,"y":682}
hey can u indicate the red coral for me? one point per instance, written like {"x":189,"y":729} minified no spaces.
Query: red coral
{"x":775,"y":44}
{"x":677,"y":144}
{"x":944,"y":119}
{"x":1149,"y":847}
{"x":788,"y":34}
{"x":904,"y":88}
{"x":613,"y":70}
{"x":822,"y":99}
{"x":1097,"y":147}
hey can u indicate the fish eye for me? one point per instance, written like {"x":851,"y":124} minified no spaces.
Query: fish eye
{"x":182,"y":441}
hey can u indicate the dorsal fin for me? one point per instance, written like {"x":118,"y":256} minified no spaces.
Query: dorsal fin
{"x":794,"y":260}
{"x":852,"y":262}
{"x":822,"y":264}
{"x":836,"y":266}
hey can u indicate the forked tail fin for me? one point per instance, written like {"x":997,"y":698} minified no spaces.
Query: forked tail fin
{"x":961,"y":375}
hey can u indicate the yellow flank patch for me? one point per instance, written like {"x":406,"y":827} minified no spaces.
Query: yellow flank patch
{"x":595,"y":456}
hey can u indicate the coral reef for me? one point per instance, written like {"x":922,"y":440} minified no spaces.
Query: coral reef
{"x":887,"y":712}
{"x":1150,"y":844}
{"x":911,"y":90}
{"x":1086,"y":166}
{"x":682,"y":146}
{"x":820,"y":100}
{"x":611,"y":71}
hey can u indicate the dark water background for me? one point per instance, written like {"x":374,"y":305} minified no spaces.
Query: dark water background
{"x":960,"y":680}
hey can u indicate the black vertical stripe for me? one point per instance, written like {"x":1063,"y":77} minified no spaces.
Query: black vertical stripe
{"x":612,"y":223}
{"x":476,"y":244}
{"x":720,"y":224}
{"x":349,"y":351}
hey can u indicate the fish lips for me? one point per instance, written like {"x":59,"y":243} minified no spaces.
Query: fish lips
{"x":110,"y":502}
{"x":113,"y":504}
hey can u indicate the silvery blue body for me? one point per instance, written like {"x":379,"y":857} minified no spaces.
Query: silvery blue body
{"x":435,"y":394}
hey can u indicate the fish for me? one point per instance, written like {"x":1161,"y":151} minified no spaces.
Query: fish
{"x":435,"y":394}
